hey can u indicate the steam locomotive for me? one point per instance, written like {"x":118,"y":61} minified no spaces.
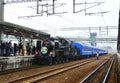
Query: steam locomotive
{"x":59,"y":50}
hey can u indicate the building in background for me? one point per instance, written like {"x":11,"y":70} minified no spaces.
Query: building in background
{"x":93,"y":39}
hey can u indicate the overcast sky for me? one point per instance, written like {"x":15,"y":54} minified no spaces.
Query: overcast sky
{"x":15,"y":12}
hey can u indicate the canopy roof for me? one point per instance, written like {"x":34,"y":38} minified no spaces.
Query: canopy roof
{"x":18,"y":30}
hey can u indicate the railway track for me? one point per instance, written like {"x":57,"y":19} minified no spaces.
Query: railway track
{"x":101,"y":73}
{"x":47,"y":74}
{"x":3,"y":72}
{"x":24,"y":68}
{"x":16,"y":77}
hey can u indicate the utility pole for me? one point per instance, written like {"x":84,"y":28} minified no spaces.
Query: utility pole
{"x":118,"y":41}
{"x":53,"y":6}
{"x":1,"y":10}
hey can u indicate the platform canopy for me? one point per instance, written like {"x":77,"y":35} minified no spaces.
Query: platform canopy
{"x":21,"y":31}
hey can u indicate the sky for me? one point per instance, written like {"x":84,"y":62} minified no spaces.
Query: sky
{"x":16,"y":13}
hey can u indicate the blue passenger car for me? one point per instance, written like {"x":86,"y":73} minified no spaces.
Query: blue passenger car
{"x":84,"y":50}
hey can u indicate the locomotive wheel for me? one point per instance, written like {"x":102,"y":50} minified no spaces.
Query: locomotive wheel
{"x":63,"y":60}
{"x":55,"y":62}
{"x":50,"y":61}
{"x":67,"y":60}
{"x":60,"y":59}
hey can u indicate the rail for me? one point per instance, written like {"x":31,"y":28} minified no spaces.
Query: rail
{"x":95,"y":72}
{"x":108,"y":71}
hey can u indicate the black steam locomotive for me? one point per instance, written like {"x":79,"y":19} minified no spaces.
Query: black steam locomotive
{"x":53,"y":51}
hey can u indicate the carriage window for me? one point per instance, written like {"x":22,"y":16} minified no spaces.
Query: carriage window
{"x":86,"y":49}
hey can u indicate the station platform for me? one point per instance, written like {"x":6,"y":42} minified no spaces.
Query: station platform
{"x":13,"y":62}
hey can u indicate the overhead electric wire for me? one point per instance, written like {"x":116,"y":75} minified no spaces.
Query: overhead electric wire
{"x":21,"y":1}
{"x":104,"y":21}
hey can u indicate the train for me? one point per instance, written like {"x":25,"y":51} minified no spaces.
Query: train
{"x":59,"y":50}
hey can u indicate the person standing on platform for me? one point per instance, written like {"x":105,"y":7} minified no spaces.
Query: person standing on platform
{"x":3,"y":49}
{"x":97,"y":55}
{"x":33,"y":50}
{"x":28,"y":49}
{"x":20,"y":47}
{"x":15,"y":49}
{"x":0,"y":46}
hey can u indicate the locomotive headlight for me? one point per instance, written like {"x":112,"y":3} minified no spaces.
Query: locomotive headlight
{"x":51,"y":53}
{"x":44,"y":50}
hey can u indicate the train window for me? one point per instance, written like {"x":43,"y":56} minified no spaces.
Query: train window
{"x":86,"y":49}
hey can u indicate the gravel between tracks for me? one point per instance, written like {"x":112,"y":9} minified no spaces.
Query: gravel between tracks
{"x":74,"y":75}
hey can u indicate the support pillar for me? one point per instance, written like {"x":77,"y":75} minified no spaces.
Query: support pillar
{"x":1,"y":10}
{"x":0,"y":36}
{"x":31,"y":42}
{"x":0,"y":41}
{"x":118,"y":41}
